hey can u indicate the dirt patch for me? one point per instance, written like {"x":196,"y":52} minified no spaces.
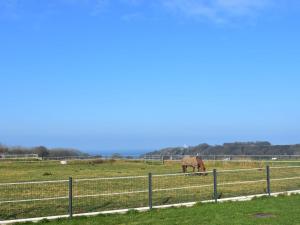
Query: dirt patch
{"x":263,"y":215}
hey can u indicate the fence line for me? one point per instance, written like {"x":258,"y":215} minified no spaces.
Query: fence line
{"x":33,"y":200}
{"x":143,"y":209}
{"x":221,"y":158}
{"x":180,"y":174}
{"x":34,"y":182}
{"x":154,"y":157}
{"x":181,"y":188}
{"x":240,"y":170}
{"x":241,"y":182}
{"x":146,"y":191}
{"x":111,"y":194}
{"x":19,"y":156}
{"x":284,"y":167}
{"x":226,"y":156}
{"x":287,"y":178}
{"x":109,"y":178}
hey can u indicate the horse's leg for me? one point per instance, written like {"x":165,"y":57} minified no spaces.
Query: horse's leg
{"x":193,"y":169}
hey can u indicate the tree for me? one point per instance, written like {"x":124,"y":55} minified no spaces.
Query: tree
{"x":41,"y":151}
{"x":3,"y":149}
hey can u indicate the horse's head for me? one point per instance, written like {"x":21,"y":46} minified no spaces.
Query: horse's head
{"x":200,"y":163}
{"x":198,"y":157}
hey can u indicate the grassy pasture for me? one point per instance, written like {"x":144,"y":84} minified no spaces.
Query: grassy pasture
{"x":12,"y":171}
{"x":104,"y":194}
{"x":263,"y":211}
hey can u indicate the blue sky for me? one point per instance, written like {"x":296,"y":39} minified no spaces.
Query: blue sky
{"x":129,"y":75}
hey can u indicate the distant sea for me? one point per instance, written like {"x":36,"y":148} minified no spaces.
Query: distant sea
{"x":122,"y":152}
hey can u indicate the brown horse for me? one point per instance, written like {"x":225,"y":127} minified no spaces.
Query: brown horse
{"x":194,"y":162}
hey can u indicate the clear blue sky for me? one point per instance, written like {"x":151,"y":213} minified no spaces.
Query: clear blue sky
{"x":126,"y":75}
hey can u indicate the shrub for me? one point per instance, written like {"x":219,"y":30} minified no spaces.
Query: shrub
{"x":47,"y":174}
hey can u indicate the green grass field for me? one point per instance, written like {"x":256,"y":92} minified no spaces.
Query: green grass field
{"x":283,"y":210}
{"x":92,"y":195}
{"x":12,"y":171}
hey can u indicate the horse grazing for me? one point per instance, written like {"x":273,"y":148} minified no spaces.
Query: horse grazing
{"x":194,"y":162}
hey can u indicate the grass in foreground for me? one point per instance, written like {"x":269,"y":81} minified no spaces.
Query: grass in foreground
{"x":282,"y":210}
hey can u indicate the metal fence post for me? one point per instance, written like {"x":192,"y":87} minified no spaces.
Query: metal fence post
{"x":215,"y":186}
{"x":268,"y":180}
{"x":70,"y":197}
{"x":150,"y":190}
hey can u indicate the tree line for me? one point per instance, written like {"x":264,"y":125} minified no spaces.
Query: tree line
{"x":236,"y":148}
{"x":41,"y":151}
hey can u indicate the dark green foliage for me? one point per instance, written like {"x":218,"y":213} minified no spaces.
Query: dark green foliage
{"x":41,"y":151}
{"x":47,"y":174}
{"x":236,"y":148}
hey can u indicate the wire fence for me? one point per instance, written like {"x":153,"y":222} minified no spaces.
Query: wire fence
{"x":228,"y":157}
{"x":18,"y":156}
{"x":160,"y":159}
{"x":156,"y":159}
{"x":20,"y":200}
